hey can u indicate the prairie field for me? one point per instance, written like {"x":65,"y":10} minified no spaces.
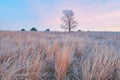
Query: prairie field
{"x":59,"y":55}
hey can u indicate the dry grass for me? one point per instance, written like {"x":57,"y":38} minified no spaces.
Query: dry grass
{"x":59,"y":56}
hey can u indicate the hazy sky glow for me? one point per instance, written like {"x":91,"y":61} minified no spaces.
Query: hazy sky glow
{"x":94,"y":15}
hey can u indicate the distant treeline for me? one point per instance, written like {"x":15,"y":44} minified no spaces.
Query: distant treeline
{"x":34,"y":29}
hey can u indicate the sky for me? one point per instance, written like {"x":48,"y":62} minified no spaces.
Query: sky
{"x":92,"y":15}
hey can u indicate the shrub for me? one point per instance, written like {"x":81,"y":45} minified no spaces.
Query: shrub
{"x":33,"y":29}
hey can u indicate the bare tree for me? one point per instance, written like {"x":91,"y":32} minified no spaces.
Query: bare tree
{"x":68,"y":20}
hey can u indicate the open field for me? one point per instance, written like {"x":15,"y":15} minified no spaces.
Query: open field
{"x":59,"y":56}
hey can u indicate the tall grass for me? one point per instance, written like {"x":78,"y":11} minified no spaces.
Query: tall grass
{"x":59,"y":56}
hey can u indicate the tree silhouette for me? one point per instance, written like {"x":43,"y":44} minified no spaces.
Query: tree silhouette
{"x":47,"y":30}
{"x":79,"y":30}
{"x":23,"y":29}
{"x":68,"y":20}
{"x":33,"y":29}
